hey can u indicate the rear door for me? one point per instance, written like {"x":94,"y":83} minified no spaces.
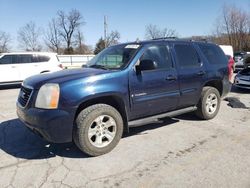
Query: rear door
{"x":9,"y":69}
{"x":42,"y":63}
{"x":191,"y":72}
{"x":154,"y":91}
{"x":26,"y":68}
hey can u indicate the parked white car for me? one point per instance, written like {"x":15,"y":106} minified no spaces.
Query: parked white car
{"x":228,"y":50}
{"x":15,"y":67}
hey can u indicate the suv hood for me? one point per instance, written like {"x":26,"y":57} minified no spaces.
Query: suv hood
{"x":62,"y":76}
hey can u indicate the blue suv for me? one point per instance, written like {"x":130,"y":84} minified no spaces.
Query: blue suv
{"x":125,"y":85}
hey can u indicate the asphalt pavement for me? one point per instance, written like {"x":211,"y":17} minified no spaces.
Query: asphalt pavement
{"x":177,"y":152}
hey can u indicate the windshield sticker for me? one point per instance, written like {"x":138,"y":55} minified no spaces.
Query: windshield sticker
{"x":134,"y":46}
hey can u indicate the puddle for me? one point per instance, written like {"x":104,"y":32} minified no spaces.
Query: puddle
{"x":235,"y":103}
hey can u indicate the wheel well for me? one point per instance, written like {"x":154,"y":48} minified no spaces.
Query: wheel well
{"x":216,"y":84}
{"x":113,"y":101}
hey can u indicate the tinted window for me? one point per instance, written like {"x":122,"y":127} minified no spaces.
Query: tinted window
{"x":35,"y":58}
{"x":25,"y":58}
{"x":43,"y":58}
{"x":186,"y":56}
{"x":114,"y":57}
{"x":213,"y":53}
{"x":7,"y":59}
{"x":39,"y":58}
{"x":159,"y":54}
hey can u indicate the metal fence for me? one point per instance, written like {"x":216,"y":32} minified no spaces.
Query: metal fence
{"x":74,"y":61}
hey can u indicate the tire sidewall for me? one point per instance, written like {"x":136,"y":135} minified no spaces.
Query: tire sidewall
{"x":207,"y":93}
{"x":83,"y":127}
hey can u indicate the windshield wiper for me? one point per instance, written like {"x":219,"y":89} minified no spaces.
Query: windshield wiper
{"x":98,"y":67}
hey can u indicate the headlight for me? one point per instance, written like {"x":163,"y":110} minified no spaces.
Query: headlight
{"x":48,"y":96}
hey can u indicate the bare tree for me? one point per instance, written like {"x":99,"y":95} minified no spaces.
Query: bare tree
{"x":68,"y":25}
{"x":81,"y":48}
{"x":4,"y":42}
{"x":153,"y":32}
{"x":100,"y":45}
{"x":53,"y":37}
{"x":113,"y":38}
{"x":232,"y":27}
{"x":29,"y":37}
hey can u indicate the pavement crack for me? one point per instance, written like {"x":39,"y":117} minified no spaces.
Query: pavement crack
{"x":47,"y":174}
{"x":13,"y":177}
{"x":114,"y":175}
{"x":14,"y":164}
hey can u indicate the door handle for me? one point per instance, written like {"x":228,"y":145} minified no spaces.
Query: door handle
{"x":171,"y":78}
{"x":201,"y":73}
{"x":13,"y":66}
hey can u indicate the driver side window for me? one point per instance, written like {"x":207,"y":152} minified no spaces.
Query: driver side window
{"x":160,"y":55}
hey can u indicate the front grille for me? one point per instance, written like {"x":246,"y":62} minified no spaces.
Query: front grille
{"x":24,"y":96}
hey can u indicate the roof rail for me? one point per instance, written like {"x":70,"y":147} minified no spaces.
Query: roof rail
{"x":163,"y":38}
{"x":198,"y":39}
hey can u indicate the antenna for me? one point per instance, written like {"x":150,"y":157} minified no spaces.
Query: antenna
{"x":105,"y":30}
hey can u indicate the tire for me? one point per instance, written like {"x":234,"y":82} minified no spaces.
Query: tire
{"x":207,"y":107}
{"x":98,"y":129}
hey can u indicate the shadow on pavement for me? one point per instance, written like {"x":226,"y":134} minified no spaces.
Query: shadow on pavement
{"x":188,"y":117}
{"x":18,"y":141}
{"x":235,"y":102}
{"x":139,"y":130}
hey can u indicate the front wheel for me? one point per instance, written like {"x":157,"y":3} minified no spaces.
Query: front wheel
{"x":98,"y":129}
{"x":209,"y":103}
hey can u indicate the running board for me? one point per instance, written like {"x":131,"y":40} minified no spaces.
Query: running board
{"x":159,"y":116}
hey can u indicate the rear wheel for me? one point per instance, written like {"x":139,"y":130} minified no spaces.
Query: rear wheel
{"x":98,"y":129}
{"x":209,"y":103}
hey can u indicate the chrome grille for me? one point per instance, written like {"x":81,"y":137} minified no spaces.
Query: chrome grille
{"x":24,"y":96}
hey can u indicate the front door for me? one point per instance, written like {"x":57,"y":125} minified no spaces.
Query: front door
{"x":154,"y":91}
{"x":9,"y":69}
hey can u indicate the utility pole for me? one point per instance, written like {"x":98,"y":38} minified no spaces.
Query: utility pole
{"x":105,"y":30}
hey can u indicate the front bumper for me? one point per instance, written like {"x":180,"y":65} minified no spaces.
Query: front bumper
{"x":53,"y":125}
{"x":242,"y":83}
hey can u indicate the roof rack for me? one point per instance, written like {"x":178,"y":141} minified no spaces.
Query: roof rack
{"x":198,"y":39}
{"x":163,"y":38}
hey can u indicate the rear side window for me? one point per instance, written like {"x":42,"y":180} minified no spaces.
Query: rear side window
{"x":213,"y":53}
{"x":43,"y":58}
{"x":40,"y":58}
{"x":25,"y":58}
{"x":159,"y":54}
{"x":187,"y":56}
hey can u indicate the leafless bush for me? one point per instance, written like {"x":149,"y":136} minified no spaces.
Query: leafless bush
{"x":4,"y":42}
{"x":29,"y":37}
{"x":153,"y":32}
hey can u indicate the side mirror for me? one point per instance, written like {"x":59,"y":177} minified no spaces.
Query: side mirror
{"x":146,"y":64}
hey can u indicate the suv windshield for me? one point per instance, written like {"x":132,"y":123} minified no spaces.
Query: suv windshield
{"x":115,"y":57}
